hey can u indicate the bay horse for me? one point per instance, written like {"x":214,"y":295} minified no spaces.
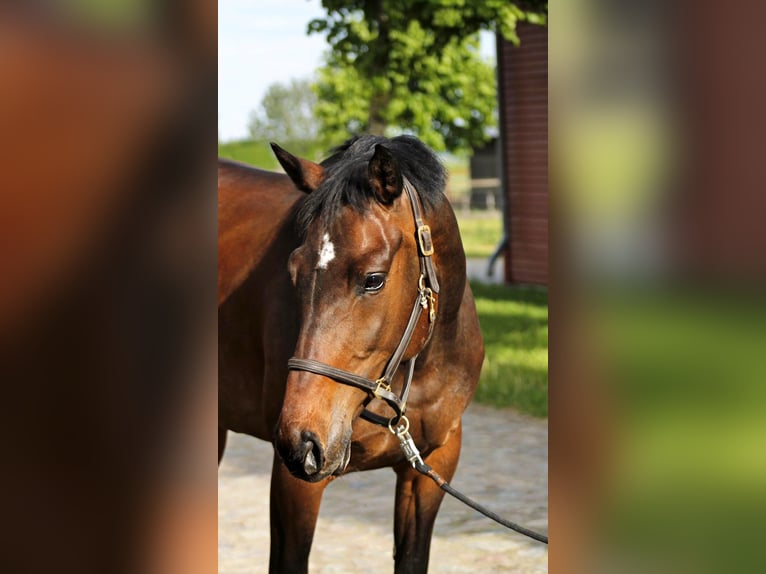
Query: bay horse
{"x":329,"y":276}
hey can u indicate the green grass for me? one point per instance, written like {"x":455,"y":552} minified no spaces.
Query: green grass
{"x":459,"y":181}
{"x":514,"y":322}
{"x":481,"y":232}
{"x":255,"y":153}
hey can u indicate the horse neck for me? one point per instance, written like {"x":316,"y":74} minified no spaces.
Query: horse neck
{"x":449,"y":260}
{"x":448,"y":342}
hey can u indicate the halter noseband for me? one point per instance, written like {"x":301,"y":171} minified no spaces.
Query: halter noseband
{"x":428,"y":285}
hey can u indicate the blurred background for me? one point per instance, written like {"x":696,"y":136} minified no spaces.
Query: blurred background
{"x":657,"y":309}
{"x":107,"y":290}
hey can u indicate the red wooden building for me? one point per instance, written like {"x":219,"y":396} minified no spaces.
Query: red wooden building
{"x":523,"y":106}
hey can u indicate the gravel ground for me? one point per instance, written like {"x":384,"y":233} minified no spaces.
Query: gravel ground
{"x":504,"y":465}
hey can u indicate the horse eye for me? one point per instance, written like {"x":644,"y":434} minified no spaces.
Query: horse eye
{"x":374,"y":281}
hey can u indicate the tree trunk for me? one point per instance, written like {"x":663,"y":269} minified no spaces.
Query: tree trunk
{"x":376,"y":125}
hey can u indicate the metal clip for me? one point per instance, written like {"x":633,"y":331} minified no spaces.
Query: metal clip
{"x":427,"y":299}
{"x":422,"y":291}
{"x":411,"y":452}
{"x":429,"y":294}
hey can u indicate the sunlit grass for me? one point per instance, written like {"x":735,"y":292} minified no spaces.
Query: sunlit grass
{"x":255,"y":153}
{"x":514,"y":322}
{"x":481,"y":231}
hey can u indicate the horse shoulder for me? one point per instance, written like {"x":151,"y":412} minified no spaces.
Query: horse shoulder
{"x":451,"y":374}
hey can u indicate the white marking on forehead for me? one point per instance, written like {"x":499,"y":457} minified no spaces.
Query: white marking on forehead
{"x":383,"y":235}
{"x":326,"y":253}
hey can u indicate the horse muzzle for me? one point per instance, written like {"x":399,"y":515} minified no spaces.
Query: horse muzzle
{"x":307,"y":458}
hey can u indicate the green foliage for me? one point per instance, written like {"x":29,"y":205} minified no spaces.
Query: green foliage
{"x":286,"y":116}
{"x":116,"y":14}
{"x":412,"y":66}
{"x":514,"y":322}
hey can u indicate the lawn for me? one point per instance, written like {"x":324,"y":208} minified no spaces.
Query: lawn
{"x":514,"y":322}
{"x":481,"y":231}
{"x":254,"y":153}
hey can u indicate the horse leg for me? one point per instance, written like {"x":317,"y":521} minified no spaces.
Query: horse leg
{"x":294,"y":510}
{"x":221,"y":443}
{"x":417,"y":501}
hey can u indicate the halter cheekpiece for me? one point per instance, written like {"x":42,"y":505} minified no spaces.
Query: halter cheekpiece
{"x":427,"y":289}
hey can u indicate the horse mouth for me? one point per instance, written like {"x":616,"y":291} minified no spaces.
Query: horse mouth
{"x":344,"y":461}
{"x":308,"y":466}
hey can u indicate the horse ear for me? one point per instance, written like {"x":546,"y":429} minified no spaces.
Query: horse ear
{"x":385,"y":177}
{"x":306,"y":175}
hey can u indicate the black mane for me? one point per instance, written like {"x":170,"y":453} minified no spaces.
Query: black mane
{"x":346,"y":180}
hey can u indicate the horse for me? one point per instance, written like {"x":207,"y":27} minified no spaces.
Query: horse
{"x":344,"y":315}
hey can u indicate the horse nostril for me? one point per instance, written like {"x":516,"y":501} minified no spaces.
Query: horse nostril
{"x":312,"y":461}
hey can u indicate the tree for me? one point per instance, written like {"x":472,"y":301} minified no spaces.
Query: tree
{"x":413,"y":66}
{"x":286,"y":116}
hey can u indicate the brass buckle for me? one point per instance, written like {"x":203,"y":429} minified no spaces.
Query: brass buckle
{"x":381,"y":384}
{"x":424,"y":239}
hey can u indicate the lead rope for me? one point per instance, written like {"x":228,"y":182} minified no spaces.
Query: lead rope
{"x":412,"y":454}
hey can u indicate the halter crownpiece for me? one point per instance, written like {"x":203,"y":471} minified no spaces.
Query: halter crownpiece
{"x":428,"y":285}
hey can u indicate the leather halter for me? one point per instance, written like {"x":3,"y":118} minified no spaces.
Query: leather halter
{"x":428,"y":285}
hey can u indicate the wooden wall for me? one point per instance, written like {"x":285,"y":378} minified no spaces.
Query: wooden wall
{"x":523,"y":95}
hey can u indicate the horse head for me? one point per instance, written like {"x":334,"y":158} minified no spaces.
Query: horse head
{"x":356,"y":275}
